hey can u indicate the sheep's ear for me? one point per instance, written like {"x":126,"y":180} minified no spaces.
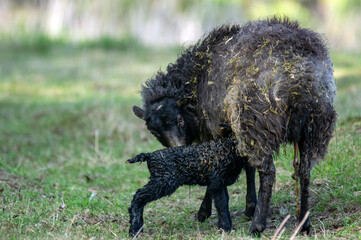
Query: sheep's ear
{"x":183,"y":102}
{"x":138,"y":112}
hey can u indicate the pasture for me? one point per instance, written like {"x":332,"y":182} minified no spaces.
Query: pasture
{"x":67,"y":127}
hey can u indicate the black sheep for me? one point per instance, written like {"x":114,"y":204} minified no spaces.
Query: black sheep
{"x":271,"y":80}
{"x":215,"y":164}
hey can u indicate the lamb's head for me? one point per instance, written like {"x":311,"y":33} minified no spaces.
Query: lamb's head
{"x":170,"y":121}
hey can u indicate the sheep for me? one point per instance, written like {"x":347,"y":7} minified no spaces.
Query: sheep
{"x":270,"y":80}
{"x":215,"y":164}
{"x":171,"y":111}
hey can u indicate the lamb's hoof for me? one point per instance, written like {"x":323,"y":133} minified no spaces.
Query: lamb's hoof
{"x":225,"y":228}
{"x":203,"y":215}
{"x":134,"y":231}
{"x":256,"y":230}
{"x":221,"y":230}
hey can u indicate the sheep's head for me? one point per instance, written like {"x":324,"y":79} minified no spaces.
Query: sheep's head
{"x":171,"y":122}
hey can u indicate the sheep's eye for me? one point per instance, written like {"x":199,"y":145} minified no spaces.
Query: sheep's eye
{"x":180,"y":121}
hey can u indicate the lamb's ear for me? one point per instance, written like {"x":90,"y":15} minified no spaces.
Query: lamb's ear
{"x":138,"y":112}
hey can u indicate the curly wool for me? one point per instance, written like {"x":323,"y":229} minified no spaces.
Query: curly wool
{"x":200,"y":164}
{"x":269,"y":79}
{"x":215,"y":164}
{"x":284,"y":81}
{"x":180,"y":79}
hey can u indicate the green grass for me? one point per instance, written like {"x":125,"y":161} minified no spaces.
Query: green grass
{"x":66,"y":129}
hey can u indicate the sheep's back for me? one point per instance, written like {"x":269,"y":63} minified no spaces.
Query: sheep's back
{"x":258,"y":78}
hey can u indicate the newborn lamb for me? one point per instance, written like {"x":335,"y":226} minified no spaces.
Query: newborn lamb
{"x":215,"y":164}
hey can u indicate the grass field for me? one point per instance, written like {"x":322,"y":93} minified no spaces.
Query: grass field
{"x":66,"y":129}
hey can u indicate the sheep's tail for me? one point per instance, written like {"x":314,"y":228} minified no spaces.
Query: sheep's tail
{"x":143,"y":157}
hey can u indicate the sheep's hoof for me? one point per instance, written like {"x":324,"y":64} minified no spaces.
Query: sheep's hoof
{"x":306,"y":228}
{"x":256,"y":230}
{"x":250,"y":210}
{"x":203,"y":215}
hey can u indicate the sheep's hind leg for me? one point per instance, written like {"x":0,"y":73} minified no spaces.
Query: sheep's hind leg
{"x":267,"y":176}
{"x":152,"y":191}
{"x":251,"y":197}
{"x":304,"y":174}
{"x":227,"y":200}
{"x":221,"y":201}
{"x":205,"y":210}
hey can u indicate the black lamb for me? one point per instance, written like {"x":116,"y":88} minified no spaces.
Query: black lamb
{"x":215,"y":164}
{"x":270,"y":80}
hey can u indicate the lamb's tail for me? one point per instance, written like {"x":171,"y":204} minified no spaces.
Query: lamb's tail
{"x":143,"y":157}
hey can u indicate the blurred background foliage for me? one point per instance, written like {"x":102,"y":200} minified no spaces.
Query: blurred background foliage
{"x":164,"y":22}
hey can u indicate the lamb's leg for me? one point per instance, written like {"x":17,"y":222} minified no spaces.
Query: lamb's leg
{"x":205,"y":210}
{"x":304,"y":174}
{"x":267,"y":176}
{"x":251,"y":198}
{"x":221,"y":200}
{"x":152,"y":191}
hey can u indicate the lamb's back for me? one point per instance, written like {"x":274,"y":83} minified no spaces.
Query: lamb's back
{"x":195,"y":164}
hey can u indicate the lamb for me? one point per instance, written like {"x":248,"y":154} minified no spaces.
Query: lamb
{"x":215,"y":164}
{"x":270,"y":80}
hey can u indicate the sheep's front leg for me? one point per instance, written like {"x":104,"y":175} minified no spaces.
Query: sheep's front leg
{"x":266,"y":175}
{"x":251,"y":197}
{"x":150,"y":192}
{"x":221,"y":201}
{"x":205,"y":210}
